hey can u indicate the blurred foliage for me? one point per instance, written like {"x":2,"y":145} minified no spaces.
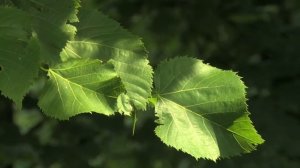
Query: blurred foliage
{"x":258,"y":38}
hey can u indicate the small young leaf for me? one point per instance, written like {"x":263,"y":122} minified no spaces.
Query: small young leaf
{"x":124,"y":106}
{"x":19,"y":58}
{"x":80,"y":86}
{"x":103,"y":38}
{"x":202,"y":110}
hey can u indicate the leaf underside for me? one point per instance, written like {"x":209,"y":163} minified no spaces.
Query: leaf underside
{"x":80,"y":86}
{"x":202,"y":110}
{"x":19,"y":58}
{"x":103,"y":38}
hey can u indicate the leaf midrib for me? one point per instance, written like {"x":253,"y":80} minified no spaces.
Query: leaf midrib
{"x":207,"y":119}
{"x":82,"y":87}
{"x":192,"y":89}
{"x":189,"y":121}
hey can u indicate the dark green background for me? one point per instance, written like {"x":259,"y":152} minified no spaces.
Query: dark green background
{"x":260,"y":39}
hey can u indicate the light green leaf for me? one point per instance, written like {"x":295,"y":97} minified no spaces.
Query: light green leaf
{"x":202,"y":110}
{"x":124,"y":106}
{"x":103,"y":38}
{"x":19,"y":55}
{"x":50,"y":20}
{"x":80,"y":86}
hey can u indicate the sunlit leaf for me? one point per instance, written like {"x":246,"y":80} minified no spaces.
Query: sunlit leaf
{"x":124,"y":106}
{"x":103,"y":38}
{"x":80,"y":86}
{"x":202,"y":110}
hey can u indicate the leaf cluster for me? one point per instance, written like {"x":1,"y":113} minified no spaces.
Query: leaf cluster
{"x":91,"y":64}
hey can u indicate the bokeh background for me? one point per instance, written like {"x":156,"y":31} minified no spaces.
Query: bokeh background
{"x":259,"y":39}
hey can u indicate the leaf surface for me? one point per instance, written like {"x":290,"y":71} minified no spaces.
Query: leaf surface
{"x":202,"y":110}
{"x":100,"y":37}
{"x":19,"y":54}
{"x":123,"y":104}
{"x":80,"y":86}
{"x":51,"y":22}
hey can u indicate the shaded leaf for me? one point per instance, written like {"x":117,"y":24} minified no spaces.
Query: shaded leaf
{"x":50,"y":21}
{"x":27,"y":119}
{"x":19,"y":60}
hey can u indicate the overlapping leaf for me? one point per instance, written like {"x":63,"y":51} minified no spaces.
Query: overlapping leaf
{"x":19,"y":54}
{"x":202,"y":110}
{"x":124,"y":106}
{"x":80,"y":86}
{"x":51,"y":24}
{"x":100,"y":37}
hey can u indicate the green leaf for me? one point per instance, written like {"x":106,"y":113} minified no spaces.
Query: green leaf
{"x":80,"y":86}
{"x":19,"y":60}
{"x":51,"y":24}
{"x":103,"y":38}
{"x":202,"y":110}
{"x":14,"y":23}
{"x":124,"y":106}
{"x":27,"y":120}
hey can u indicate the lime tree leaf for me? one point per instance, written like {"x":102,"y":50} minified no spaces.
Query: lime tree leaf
{"x":202,"y":110}
{"x":14,"y":23}
{"x":50,"y":22}
{"x":80,"y":86}
{"x":100,"y":37}
{"x":19,"y":54}
{"x":123,"y":104}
